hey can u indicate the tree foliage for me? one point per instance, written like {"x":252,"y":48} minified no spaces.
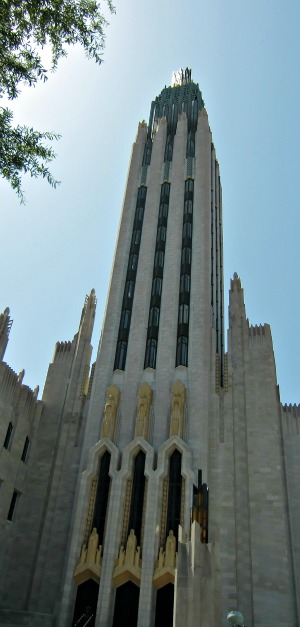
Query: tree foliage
{"x":26,"y":27}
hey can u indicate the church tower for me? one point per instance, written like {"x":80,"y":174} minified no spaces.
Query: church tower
{"x":159,"y":368}
{"x":161,"y":488}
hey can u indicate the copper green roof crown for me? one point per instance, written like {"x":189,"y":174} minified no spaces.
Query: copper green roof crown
{"x":184,"y":96}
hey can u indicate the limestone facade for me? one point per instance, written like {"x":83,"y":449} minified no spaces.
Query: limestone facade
{"x":161,"y":486}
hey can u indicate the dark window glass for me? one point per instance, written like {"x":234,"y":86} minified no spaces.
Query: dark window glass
{"x":187,"y":229}
{"x":12,"y":505}
{"x":185,"y":283}
{"x":25,"y":450}
{"x":186,"y":255}
{"x":154,"y":317}
{"x":159,"y":259}
{"x":156,"y":286}
{"x":165,"y":190}
{"x":125,"y":319}
{"x":141,"y":196}
{"x":150,"y":358}
{"x":188,"y":206}
{"x":86,"y":604}
{"x":163,"y":210}
{"x":183,"y":316}
{"x":102,"y":496}
{"x":120,"y":355}
{"x":169,"y":148}
{"x":139,"y":214}
{"x":133,"y":262}
{"x":136,"y":236}
{"x":129,"y":289}
{"x":182,"y":351}
{"x":161,"y":234}
{"x":189,"y":185}
{"x":190,"y":148}
{"x":174,"y":497}
{"x":164,"y":606}
{"x":147,"y":153}
{"x":137,"y":496}
{"x":126,"y":606}
{"x":8,"y":436}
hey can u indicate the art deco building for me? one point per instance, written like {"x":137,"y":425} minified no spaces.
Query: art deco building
{"x":161,"y":489}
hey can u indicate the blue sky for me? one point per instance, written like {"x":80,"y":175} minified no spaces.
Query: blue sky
{"x":245,"y":56}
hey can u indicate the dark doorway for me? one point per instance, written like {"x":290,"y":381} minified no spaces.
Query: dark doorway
{"x":86,"y":604}
{"x":126,"y":605}
{"x":164,"y":606}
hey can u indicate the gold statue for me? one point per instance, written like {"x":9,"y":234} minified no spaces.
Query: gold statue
{"x":143,"y":410}
{"x":177,"y":409}
{"x":110,"y":412}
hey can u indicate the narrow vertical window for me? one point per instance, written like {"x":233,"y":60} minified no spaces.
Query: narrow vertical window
{"x":120,"y":356}
{"x":25,"y":450}
{"x":150,"y":358}
{"x":183,"y":317}
{"x":8,"y":436}
{"x":12,"y":506}
{"x":137,"y":496}
{"x":182,"y":351}
{"x":174,"y":499}
{"x":102,"y":496}
{"x":157,"y":286}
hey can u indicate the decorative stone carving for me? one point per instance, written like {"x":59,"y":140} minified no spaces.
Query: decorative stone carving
{"x":164,"y":571}
{"x":110,"y":411}
{"x":170,"y":553}
{"x":128,"y":563}
{"x":90,"y":560}
{"x":177,"y":409}
{"x":130,"y":548}
{"x":143,"y":410}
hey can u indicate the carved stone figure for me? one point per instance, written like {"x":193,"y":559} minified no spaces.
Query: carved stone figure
{"x":143,"y":410}
{"x":177,"y":409}
{"x":130,"y":548}
{"x":170,"y":555}
{"x":110,"y":411}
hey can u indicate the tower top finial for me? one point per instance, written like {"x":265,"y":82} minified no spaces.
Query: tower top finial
{"x":181,"y":77}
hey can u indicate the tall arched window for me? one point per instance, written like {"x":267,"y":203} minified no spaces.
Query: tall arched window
{"x":101,"y":503}
{"x":174,"y":498}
